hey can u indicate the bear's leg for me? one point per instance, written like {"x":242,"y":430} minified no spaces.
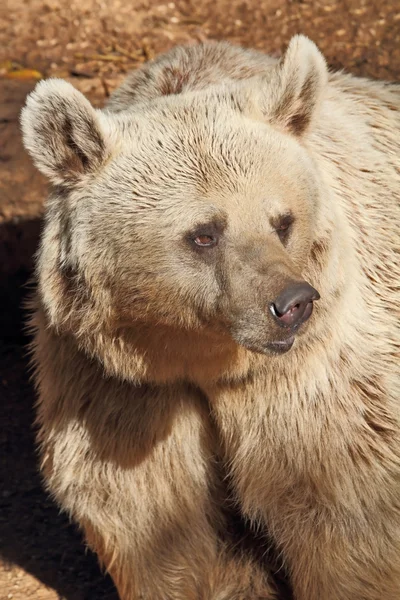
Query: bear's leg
{"x":328,"y":496}
{"x":216,"y":576}
{"x":182,"y":559}
{"x":331,"y":557}
{"x":135,"y":466}
{"x":154,"y":518}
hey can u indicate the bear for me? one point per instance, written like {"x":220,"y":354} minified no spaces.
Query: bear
{"x":216,"y":322}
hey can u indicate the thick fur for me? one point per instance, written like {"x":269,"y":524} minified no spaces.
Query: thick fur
{"x":153,"y":356}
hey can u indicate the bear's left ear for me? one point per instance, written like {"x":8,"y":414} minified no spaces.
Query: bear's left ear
{"x":66,"y":137}
{"x":291,"y":95}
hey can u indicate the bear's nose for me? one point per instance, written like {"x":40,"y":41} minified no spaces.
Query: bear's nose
{"x":294,"y":304}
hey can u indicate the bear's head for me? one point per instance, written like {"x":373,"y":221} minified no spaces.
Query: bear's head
{"x":189,"y":217}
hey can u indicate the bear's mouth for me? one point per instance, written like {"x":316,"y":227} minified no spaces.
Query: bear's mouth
{"x":265,"y":346}
{"x":281,"y":346}
{"x":270,"y":348}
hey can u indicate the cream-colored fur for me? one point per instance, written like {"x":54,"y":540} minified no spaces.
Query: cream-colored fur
{"x":153,"y":359}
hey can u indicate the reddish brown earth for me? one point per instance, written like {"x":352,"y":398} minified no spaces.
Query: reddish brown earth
{"x":93,"y":43}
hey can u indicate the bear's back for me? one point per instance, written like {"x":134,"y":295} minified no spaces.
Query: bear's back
{"x":189,"y":68}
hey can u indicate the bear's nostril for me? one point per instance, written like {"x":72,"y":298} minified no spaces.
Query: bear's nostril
{"x":294,"y":304}
{"x":292,"y":315}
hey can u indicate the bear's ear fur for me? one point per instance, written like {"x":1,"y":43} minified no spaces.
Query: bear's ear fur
{"x":66,"y":137}
{"x":291,"y":95}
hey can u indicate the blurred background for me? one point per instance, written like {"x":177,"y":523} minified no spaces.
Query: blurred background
{"x":93,"y":44}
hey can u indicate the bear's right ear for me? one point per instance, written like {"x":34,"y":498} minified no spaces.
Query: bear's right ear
{"x":291,"y":95}
{"x":66,"y":137}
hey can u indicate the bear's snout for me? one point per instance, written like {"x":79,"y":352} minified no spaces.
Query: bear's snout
{"x":294,"y":305}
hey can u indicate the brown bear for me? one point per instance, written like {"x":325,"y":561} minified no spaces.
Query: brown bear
{"x":218,"y":300}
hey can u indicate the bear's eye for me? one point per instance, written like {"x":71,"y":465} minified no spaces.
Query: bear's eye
{"x":283,"y":226}
{"x":205,"y":240}
{"x":206,"y":236}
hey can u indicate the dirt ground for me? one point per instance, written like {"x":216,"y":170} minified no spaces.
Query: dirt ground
{"x":93,"y":43}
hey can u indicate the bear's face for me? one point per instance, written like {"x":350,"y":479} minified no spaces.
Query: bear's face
{"x":196,"y":212}
{"x":201,"y":220}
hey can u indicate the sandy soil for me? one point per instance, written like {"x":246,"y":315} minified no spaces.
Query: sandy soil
{"x":93,"y":43}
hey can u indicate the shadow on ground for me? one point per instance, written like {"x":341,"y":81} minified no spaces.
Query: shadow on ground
{"x":33,"y":534}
